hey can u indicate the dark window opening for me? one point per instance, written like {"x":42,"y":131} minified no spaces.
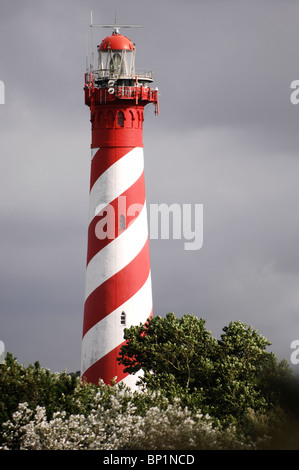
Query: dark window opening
{"x":120,"y":119}
{"x":123,"y":318}
{"x":122,"y":222}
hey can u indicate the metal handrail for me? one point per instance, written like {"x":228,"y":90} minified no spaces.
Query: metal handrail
{"x":127,"y":92}
{"x":136,"y":92}
{"x":107,"y":74}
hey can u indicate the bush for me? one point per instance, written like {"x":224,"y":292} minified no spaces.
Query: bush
{"x":115,"y":424}
{"x":41,"y":410}
{"x":200,"y":394}
{"x":39,"y":387}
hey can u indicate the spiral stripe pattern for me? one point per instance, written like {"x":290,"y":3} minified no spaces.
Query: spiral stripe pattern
{"x":118,"y":279}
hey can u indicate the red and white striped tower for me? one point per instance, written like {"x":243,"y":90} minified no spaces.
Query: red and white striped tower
{"x":118,"y":278}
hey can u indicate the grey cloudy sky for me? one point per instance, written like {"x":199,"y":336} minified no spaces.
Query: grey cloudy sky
{"x":227,"y":137}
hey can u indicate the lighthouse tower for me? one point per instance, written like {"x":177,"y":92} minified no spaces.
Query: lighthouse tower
{"x":118,"y":277}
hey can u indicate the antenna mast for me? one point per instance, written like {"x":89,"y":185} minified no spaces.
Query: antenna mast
{"x":116,"y":27}
{"x":91,"y":40}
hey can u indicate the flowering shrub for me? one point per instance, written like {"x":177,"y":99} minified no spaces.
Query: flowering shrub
{"x":115,"y":424}
{"x":37,"y":386}
{"x":40,"y":410}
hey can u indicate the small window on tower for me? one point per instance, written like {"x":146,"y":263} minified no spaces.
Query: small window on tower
{"x":123,"y":318}
{"x":122,"y":222}
{"x":120,"y":119}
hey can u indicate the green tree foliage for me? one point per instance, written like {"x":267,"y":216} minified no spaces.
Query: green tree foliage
{"x":167,"y":348}
{"x":225,"y":377}
{"x":210,"y":393}
{"x":39,"y":387}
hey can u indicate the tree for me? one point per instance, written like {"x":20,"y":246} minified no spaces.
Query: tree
{"x":225,"y":377}
{"x":240,"y":363}
{"x":168,"y":348}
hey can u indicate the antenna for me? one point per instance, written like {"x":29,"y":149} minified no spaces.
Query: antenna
{"x":86,"y":47}
{"x":91,"y":40}
{"x":116,"y":27}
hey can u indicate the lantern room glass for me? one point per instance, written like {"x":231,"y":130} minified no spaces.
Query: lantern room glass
{"x":116,"y":63}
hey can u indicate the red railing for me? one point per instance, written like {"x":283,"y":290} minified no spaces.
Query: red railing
{"x":137,"y":92}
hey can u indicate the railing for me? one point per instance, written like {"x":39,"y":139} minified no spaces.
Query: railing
{"x":138,"y":92}
{"x":126,"y":92}
{"x":145,"y":74}
{"x":105,"y":74}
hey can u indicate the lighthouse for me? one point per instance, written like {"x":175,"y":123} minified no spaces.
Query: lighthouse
{"x":118,"y":290}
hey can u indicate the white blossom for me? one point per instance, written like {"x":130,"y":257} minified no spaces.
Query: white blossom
{"x":115,"y":424}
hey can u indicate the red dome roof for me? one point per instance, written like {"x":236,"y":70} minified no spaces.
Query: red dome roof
{"x":116,"y":42}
